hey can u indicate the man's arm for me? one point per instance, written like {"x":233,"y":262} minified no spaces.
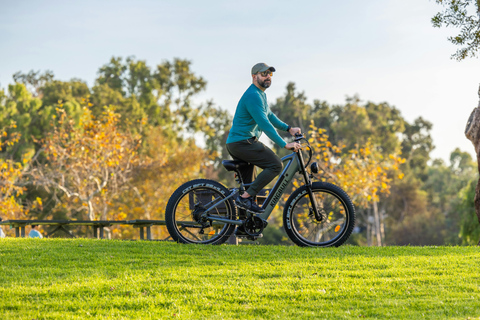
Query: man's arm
{"x":259,"y":114}
{"x":277,"y":123}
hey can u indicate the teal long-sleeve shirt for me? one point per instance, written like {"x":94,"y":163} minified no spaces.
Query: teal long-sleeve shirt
{"x":253,"y":116}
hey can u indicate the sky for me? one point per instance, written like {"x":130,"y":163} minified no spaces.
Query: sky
{"x":380,"y":50}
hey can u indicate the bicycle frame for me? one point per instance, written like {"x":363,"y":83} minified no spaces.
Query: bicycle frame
{"x":294,"y":164}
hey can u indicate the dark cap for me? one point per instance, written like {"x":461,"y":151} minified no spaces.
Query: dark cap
{"x":260,"y":67}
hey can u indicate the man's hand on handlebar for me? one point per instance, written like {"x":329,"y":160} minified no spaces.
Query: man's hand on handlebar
{"x":295,"y":130}
{"x":294,"y":146}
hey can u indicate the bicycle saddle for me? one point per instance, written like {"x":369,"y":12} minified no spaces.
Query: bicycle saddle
{"x":234,"y":165}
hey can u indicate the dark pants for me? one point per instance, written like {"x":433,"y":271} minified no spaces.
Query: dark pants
{"x":257,"y":154}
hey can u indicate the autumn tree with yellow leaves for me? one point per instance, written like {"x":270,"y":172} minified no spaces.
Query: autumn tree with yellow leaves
{"x":13,"y":179}
{"x":165,"y":163}
{"x":87,"y":162}
{"x":363,"y":172}
{"x":10,"y":173}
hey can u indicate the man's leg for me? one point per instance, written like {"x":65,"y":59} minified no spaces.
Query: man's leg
{"x":248,"y":174}
{"x":258,"y":154}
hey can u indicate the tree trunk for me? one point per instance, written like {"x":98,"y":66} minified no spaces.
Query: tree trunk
{"x":477,"y":194}
{"x":91,"y":212}
{"x":378,"y":233}
{"x":382,"y":224}
{"x":472,"y":131}
{"x":369,"y":227}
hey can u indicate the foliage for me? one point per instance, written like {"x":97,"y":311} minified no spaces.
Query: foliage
{"x":20,"y":107}
{"x":465,"y":15}
{"x":416,"y":146}
{"x":34,"y":80}
{"x":10,"y":174}
{"x":469,"y":227}
{"x":165,"y":164}
{"x":84,"y":278}
{"x":162,"y":95}
{"x":13,"y":178}
{"x":422,"y":202}
{"x":93,"y":159}
{"x":362,"y":172}
{"x":153,"y":104}
{"x":179,"y":140}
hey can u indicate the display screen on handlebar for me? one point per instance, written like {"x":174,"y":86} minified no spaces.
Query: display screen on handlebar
{"x":298,"y":137}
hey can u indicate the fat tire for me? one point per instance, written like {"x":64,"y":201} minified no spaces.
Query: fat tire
{"x":337,"y":193}
{"x":182,"y":192}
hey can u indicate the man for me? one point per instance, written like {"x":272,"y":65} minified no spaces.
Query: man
{"x":34,"y":233}
{"x":252,"y":117}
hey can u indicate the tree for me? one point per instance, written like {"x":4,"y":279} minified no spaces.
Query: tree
{"x":10,"y":172}
{"x":443,"y":187}
{"x":154,"y":103}
{"x":463,"y":14}
{"x":162,"y":95}
{"x":363,"y":172}
{"x":293,"y":106}
{"x":34,"y":80}
{"x":417,"y":144}
{"x":472,"y":132}
{"x":26,"y":111}
{"x":469,"y":229}
{"x":13,"y":204}
{"x":165,"y":163}
{"x":87,"y":162}
{"x":414,"y":199}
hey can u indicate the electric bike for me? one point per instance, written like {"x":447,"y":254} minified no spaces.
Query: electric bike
{"x":317,"y":214}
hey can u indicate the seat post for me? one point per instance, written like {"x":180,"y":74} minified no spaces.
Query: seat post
{"x":240,"y":181}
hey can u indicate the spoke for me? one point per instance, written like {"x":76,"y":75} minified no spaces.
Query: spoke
{"x":192,"y":206}
{"x":328,"y":227}
{"x":188,"y":231}
{"x":312,"y":230}
{"x":212,"y":203}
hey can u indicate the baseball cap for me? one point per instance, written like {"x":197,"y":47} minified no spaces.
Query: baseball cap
{"x":260,"y":67}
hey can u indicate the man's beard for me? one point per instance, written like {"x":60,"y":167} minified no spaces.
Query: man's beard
{"x":264,"y":84}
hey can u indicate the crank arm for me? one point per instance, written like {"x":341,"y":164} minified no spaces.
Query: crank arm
{"x":183,"y":225}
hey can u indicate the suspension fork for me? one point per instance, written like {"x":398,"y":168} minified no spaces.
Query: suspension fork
{"x":308,"y":184}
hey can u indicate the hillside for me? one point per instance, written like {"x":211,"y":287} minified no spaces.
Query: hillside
{"x":85,"y":278}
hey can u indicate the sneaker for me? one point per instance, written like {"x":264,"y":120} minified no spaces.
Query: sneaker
{"x":248,"y":204}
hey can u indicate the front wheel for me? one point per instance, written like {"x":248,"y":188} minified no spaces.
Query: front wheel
{"x":184,"y":216}
{"x":332,"y":228}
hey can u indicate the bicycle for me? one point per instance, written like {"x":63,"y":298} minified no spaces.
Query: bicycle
{"x":317,"y":214}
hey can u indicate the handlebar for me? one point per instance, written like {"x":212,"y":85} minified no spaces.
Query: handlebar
{"x":301,"y":136}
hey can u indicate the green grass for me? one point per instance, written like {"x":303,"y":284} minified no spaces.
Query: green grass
{"x":108,"y":279}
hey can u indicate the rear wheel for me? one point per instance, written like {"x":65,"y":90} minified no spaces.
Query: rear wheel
{"x":184,"y":213}
{"x":332,"y":228}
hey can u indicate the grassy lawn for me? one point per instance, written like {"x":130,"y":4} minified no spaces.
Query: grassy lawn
{"x":108,"y":279}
